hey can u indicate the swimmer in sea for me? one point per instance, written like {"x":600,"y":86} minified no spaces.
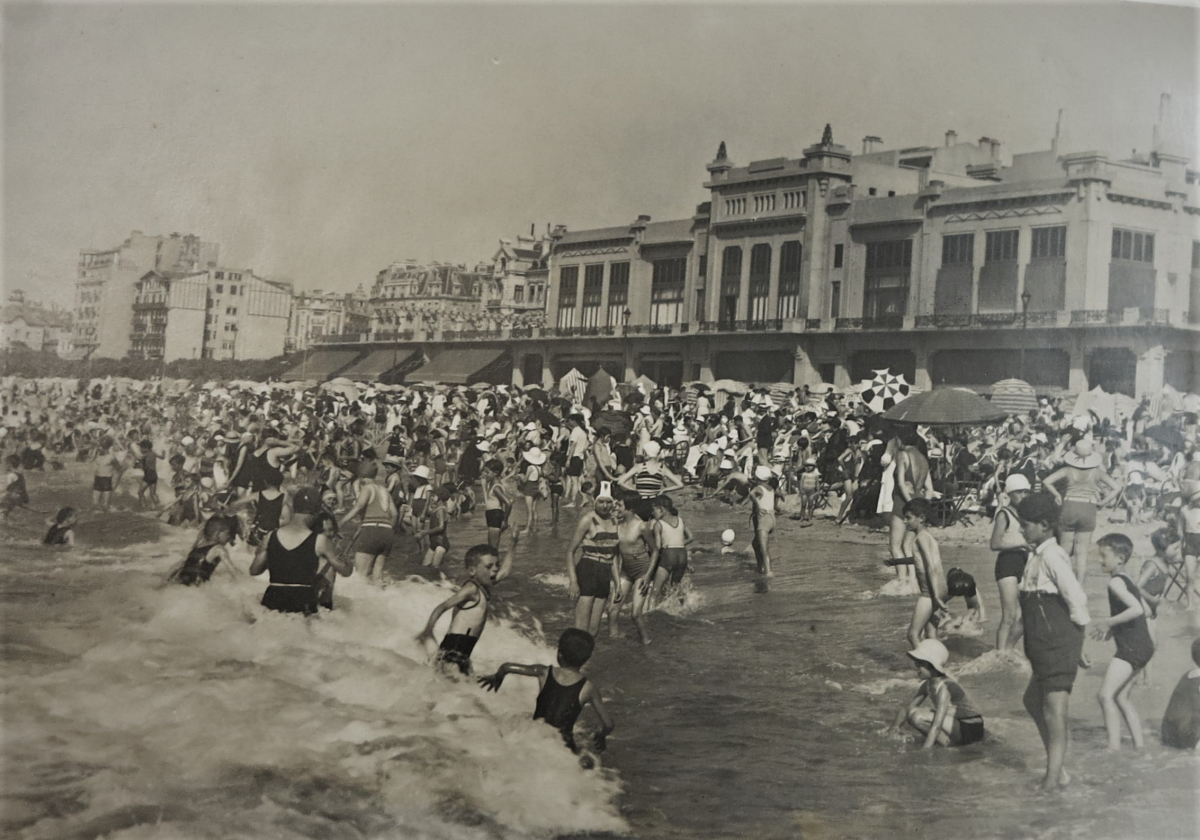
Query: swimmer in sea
{"x":207,"y":554}
{"x":470,"y":608}
{"x":638,"y":551}
{"x":62,"y":528}
{"x":593,"y":562}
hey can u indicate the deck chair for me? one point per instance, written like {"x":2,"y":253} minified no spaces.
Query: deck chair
{"x":1176,"y":579}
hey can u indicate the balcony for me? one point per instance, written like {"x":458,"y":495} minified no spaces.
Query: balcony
{"x":521,"y":332}
{"x":648,"y":329}
{"x":394,"y":335}
{"x":1128,"y":317}
{"x":341,"y":338}
{"x":581,"y":332}
{"x":879,"y":322}
{"x":768,"y":325}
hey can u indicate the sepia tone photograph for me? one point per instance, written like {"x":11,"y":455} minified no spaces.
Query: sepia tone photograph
{"x":666,"y":421}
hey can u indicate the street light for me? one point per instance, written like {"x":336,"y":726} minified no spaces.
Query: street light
{"x":1025,"y":298}
{"x":625,"y":316}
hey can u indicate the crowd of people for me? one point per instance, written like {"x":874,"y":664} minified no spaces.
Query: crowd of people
{"x":291,"y":470}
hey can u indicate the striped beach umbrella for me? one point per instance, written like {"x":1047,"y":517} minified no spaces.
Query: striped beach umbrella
{"x":1014,"y":396}
{"x":886,"y":390}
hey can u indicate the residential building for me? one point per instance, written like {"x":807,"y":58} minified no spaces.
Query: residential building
{"x":105,"y":281}
{"x":30,"y":325}
{"x":954,"y":264}
{"x":218,"y":313}
{"x":318,"y":314}
{"x":519,"y":274}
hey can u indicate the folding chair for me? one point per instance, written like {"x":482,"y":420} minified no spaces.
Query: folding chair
{"x":1176,"y":579}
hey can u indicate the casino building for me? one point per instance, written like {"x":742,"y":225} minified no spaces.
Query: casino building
{"x":955,"y":264}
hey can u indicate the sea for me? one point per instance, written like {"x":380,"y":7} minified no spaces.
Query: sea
{"x":134,"y":709}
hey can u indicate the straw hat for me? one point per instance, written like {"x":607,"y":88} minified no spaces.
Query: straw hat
{"x":762,"y":472}
{"x":393,"y":461}
{"x":535,"y":456}
{"x":932,"y":653}
{"x":483,"y":446}
{"x":1082,"y":462}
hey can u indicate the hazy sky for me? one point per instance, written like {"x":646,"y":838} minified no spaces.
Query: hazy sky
{"x":322,"y":142}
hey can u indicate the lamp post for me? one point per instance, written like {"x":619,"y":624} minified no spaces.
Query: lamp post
{"x":1025,"y":298}
{"x":625,"y":316}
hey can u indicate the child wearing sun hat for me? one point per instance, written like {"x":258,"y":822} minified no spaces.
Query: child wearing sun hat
{"x":940,"y":709}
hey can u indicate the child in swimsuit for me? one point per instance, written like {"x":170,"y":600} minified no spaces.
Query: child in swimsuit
{"x":62,"y":528}
{"x":927,"y":564}
{"x":673,"y":538}
{"x":564,"y":690}
{"x":436,"y":517}
{"x":1127,"y":627}
{"x":951,"y":721}
{"x":637,"y":552}
{"x":497,"y":502}
{"x":470,"y":608}
{"x":762,"y":516}
{"x":15,"y":493}
{"x":208,"y":552}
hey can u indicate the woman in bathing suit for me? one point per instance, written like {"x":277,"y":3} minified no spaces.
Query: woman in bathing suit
{"x":1082,"y":497}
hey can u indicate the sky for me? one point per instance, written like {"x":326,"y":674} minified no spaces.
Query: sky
{"x":323,"y":142}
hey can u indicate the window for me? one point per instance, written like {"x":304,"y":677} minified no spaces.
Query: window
{"x":618,"y":292}
{"x":731,"y":283}
{"x":839,"y":252}
{"x":871,"y":191}
{"x":666,"y":291}
{"x":593,"y":292}
{"x":760,"y":281}
{"x":1048,"y":243}
{"x":220,"y":275}
{"x":518,"y":294}
{"x":835,"y":299}
{"x":885,"y":280}
{"x":1131,"y":245}
{"x":700,"y":304}
{"x":702,"y":272}
{"x":891,"y":193}
{"x":959,"y":249}
{"x":1195,"y":255}
{"x":220,"y":288}
{"x":568,"y":287}
{"x":790,"y":254}
{"x":1001,"y":246}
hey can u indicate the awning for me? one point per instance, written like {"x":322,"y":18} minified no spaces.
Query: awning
{"x":384,"y":365}
{"x":321,"y":365}
{"x":463,"y":366}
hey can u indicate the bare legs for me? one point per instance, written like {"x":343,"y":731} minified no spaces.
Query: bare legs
{"x":588,"y":612}
{"x":901,"y":543}
{"x":640,"y":602}
{"x":1077,"y":543}
{"x":1010,"y":611}
{"x":1049,"y":713}
{"x":1115,"y":704}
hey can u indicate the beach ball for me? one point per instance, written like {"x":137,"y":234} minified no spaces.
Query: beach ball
{"x":727,"y":536}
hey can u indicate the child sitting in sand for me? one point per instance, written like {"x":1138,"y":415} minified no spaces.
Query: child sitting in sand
{"x":62,"y":528}
{"x":949,"y":719}
{"x":564,"y":690}
{"x":470,"y":608}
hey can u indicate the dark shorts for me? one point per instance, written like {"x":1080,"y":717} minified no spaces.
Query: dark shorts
{"x":456,"y":650}
{"x":1011,"y":563}
{"x":102,"y":484}
{"x":1135,"y":493}
{"x":150,"y":477}
{"x":710,"y":480}
{"x":291,"y":599}
{"x":674,"y":560}
{"x":635,"y":567}
{"x":375,"y":540}
{"x":439,"y":540}
{"x":496,"y":518}
{"x":970,"y":731}
{"x":595,"y":578}
{"x":1078,"y":516}
{"x":575,"y":466}
{"x":557,"y":488}
{"x":1191,"y":545}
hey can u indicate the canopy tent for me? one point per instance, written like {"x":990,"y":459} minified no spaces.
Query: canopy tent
{"x":464,"y":366}
{"x":645,"y":384}
{"x":1014,"y":396}
{"x":573,"y":384}
{"x":388,"y":365}
{"x":600,"y":387}
{"x":1104,"y":405}
{"x":320,"y":365}
{"x":945,"y":407}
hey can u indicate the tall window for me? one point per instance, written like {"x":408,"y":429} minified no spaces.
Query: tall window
{"x":958,"y":249}
{"x":1001,"y":246}
{"x":885,"y":279}
{"x":839,"y":252}
{"x":1048,"y":243}
{"x":700,"y":304}
{"x":568,"y":288}
{"x":998,"y":277}
{"x":789,"y":279}
{"x":666,"y":291}
{"x":1132,"y":245}
{"x":593,"y":293}
{"x":835,"y":299}
{"x":760,"y":281}
{"x":618,"y":292}
{"x":731,"y":283}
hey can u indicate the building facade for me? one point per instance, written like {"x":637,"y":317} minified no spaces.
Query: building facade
{"x":105,"y":281}
{"x":954,"y":264}
{"x":218,"y":313}
{"x":32,"y":326}
{"x":519,"y":274}
{"x":318,"y":314}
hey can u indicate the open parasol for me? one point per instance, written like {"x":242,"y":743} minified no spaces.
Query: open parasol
{"x":1014,"y":396}
{"x":945,"y":407}
{"x":1166,"y":435}
{"x":885,"y":391}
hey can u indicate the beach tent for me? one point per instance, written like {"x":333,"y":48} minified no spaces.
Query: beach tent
{"x":1165,"y":403}
{"x":573,"y":384}
{"x":1098,"y":402}
{"x":1014,"y":396}
{"x":646,"y":384}
{"x":600,"y":387}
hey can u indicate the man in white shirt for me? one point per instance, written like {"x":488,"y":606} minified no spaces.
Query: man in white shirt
{"x":577,"y":445}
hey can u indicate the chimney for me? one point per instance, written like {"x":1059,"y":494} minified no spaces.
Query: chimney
{"x":869,"y":143}
{"x":1058,"y":130}
{"x":951,"y":138}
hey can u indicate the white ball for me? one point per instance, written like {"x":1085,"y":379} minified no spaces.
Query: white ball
{"x":727,"y":536}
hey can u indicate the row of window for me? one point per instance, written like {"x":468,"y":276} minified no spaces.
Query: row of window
{"x":230,"y":275}
{"x":766,"y":202}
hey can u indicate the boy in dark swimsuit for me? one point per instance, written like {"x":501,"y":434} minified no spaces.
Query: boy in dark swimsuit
{"x":564,"y":690}
{"x":470,"y":607}
{"x":927,"y":565}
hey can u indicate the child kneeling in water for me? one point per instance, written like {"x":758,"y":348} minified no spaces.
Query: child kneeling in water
{"x":62,"y":528}
{"x":564,"y":690}
{"x":950,"y":721}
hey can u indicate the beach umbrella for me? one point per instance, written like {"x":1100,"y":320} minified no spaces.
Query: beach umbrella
{"x":1014,"y":396}
{"x":729,"y":386}
{"x":945,"y":407}
{"x":573,"y":383}
{"x":600,"y":387}
{"x":1166,"y":435}
{"x":617,"y":422}
{"x":886,"y":390}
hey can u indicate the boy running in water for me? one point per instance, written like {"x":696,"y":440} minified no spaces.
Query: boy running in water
{"x":639,"y":558}
{"x":15,"y":493}
{"x":593,"y":563}
{"x":564,"y":691}
{"x":470,"y":607}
